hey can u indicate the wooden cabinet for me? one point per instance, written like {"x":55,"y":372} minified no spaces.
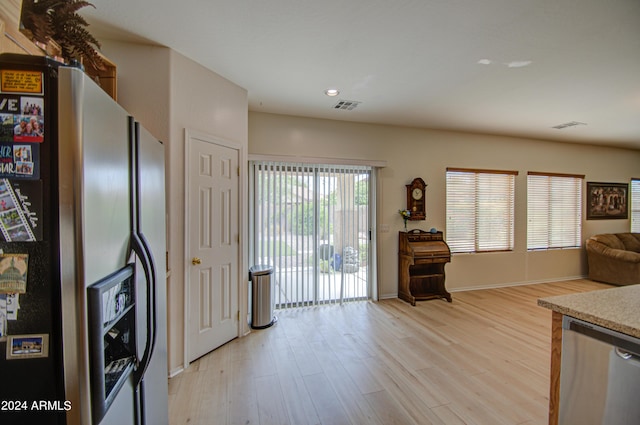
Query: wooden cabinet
{"x":421,"y":260}
{"x":105,"y":78}
{"x":556,"y":360}
{"x":11,"y":39}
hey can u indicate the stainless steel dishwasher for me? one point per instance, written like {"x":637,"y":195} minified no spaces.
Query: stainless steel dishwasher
{"x":600,"y":376}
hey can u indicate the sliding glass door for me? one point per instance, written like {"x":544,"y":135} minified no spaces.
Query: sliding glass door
{"x":311,"y":223}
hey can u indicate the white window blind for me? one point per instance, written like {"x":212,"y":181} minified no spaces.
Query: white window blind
{"x":635,"y":205}
{"x":310,"y":222}
{"x":480,"y":210}
{"x":554,"y":211}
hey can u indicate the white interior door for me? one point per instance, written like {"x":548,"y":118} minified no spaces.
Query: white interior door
{"x":212,"y":251}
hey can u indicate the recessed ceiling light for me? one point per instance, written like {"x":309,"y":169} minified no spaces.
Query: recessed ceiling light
{"x":332,"y":92}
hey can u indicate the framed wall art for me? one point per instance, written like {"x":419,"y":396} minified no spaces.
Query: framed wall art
{"x":607,"y":201}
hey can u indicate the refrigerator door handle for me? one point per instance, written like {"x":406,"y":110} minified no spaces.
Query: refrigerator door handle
{"x":138,"y":248}
{"x":141,"y":247}
{"x":151,"y":295}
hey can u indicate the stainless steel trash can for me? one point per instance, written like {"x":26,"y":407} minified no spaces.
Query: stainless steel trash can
{"x":261,"y":296}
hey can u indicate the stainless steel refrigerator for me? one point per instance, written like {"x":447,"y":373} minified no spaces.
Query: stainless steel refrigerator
{"x":82,"y":253}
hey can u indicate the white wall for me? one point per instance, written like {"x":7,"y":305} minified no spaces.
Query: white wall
{"x":200,"y":100}
{"x":411,"y":153}
{"x":169,"y":93}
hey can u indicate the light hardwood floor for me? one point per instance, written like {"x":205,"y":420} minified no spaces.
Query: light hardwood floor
{"x":483,"y":359}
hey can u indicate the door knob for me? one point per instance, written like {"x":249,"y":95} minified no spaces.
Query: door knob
{"x":195,"y":261}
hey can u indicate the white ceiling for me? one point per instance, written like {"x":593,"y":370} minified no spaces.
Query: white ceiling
{"x":444,"y":64}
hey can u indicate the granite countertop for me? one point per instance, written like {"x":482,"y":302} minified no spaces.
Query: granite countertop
{"x":614,"y":308}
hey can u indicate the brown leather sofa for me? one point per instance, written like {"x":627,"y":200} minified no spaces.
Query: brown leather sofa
{"x":614,"y":258}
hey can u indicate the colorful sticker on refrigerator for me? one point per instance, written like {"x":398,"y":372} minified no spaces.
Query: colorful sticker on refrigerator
{"x":22,"y":119}
{"x":20,"y":210}
{"x":28,"y":128}
{"x":23,"y":159}
{"x":27,"y":346}
{"x":10,"y":104}
{"x":32,"y":105}
{"x":29,"y":122}
{"x":20,"y":161}
{"x":13,"y":274}
{"x":6,"y":127}
{"x":13,"y":305}
{"x":21,"y":81}
{"x":21,"y":133}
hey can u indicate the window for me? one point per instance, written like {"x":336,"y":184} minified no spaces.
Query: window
{"x":310,"y":222}
{"x":635,"y":205}
{"x":480,"y":210}
{"x":554,"y":211}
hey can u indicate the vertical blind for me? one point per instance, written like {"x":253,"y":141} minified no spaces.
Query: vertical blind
{"x":311,"y":224}
{"x":554,"y":211}
{"x":635,"y":205}
{"x":480,"y":210}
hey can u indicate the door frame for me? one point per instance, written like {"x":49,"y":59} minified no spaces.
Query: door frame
{"x":374,"y":205}
{"x":190,"y":134}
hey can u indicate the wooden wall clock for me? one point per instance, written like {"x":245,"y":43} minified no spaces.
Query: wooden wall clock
{"x":416,"y":202}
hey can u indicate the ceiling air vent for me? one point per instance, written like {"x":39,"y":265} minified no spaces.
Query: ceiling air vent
{"x":568,"y":124}
{"x":347,"y":105}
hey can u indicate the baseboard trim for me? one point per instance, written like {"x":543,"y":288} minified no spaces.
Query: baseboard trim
{"x":511,"y":284}
{"x":175,"y":372}
{"x":499,"y":285}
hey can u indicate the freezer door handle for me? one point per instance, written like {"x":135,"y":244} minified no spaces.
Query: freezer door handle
{"x":151,"y":291}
